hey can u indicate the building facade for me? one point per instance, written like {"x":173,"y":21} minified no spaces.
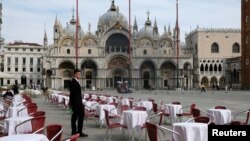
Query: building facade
{"x":23,"y":62}
{"x":210,"y":48}
{"x":245,"y":26}
{"x":104,"y":57}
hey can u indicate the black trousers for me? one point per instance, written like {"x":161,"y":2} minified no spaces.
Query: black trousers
{"x":77,"y":117}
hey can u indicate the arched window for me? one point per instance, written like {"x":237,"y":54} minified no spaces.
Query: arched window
{"x":220,"y":68}
{"x":68,"y":51}
{"x":202,"y":67}
{"x":144,"y":52}
{"x":236,"y":48}
{"x":214,"y":48}
{"x":211,"y":67}
{"x":215,"y":67}
{"x":206,"y":67}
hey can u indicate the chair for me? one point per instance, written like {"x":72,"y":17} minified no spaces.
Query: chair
{"x":111,"y":125}
{"x":154,"y":135}
{"x":36,"y":124}
{"x":240,"y":114}
{"x":54,"y":132}
{"x":220,"y":107}
{"x":30,"y":109}
{"x":153,"y":119}
{"x":185,"y":112}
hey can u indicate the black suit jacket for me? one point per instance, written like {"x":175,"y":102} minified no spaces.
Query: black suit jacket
{"x":75,"y":97}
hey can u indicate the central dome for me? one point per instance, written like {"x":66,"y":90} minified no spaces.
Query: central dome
{"x":111,"y":17}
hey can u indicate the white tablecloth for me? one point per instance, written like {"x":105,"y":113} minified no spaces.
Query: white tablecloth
{"x":25,"y":137}
{"x":220,"y":116}
{"x":191,"y":131}
{"x":173,"y":109}
{"x":100,"y":111}
{"x":10,"y":124}
{"x":124,"y":101}
{"x":147,"y":104}
{"x":134,"y":120}
{"x":13,"y":111}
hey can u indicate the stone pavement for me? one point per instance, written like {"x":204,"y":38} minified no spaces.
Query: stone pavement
{"x":233,"y":100}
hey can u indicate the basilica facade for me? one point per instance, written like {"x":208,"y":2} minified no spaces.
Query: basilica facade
{"x":104,"y":57}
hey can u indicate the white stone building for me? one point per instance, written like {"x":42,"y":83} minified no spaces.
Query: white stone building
{"x":103,"y":55}
{"x":23,"y":62}
{"x":211,"y":47}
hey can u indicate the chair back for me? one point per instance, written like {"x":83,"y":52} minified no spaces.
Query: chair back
{"x":37,"y":114}
{"x":152,"y":131}
{"x":192,"y":107}
{"x":140,"y":108}
{"x":54,"y":132}
{"x":220,"y":107}
{"x":196,"y":112}
{"x":202,"y":119}
{"x":176,"y":103}
{"x":31,"y":109}
{"x":155,"y":107}
{"x":74,"y":137}
{"x":37,"y":123}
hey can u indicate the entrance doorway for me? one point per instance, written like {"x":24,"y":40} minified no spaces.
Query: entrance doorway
{"x":66,"y":84}
{"x":116,"y":79}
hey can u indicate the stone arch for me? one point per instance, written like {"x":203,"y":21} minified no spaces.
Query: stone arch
{"x":205,"y":81}
{"x":116,"y":42}
{"x":148,"y":74}
{"x":168,"y":74}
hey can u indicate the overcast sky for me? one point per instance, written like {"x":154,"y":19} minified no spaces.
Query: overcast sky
{"x":25,"y":20}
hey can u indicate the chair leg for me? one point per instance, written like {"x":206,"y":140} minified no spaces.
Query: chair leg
{"x":106,"y":134}
{"x":110,"y":134}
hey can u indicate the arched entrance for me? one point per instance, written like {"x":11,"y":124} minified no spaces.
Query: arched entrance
{"x":205,"y":81}
{"x":168,"y":73}
{"x":222,"y":82}
{"x":66,"y":69}
{"x":90,"y":73}
{"x":48,"y":78}
{"x":148,"y":74}
{"x":118,"y":68}
{"x":213,"y":81}
{"x":118,"y":75}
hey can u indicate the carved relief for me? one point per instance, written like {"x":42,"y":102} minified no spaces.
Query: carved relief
{"x":89,"y":42}
{"x":165,"y":43}
{"x":68,"y":43}
{"x":145,"y":43}
{"x":118,"y":62}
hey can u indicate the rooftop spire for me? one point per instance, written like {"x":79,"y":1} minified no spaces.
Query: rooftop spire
{"x":113,"y":7}
{"x":148,"y":22}
{"x":135,"y":25}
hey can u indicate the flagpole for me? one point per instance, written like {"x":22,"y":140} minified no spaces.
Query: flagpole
{"x":129,"y":46}
{"x":177,"y":43}
{"x":76,"y":39}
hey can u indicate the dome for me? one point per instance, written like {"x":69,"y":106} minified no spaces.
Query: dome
{"x":70,"y":29}
{"x":146,"y":31}
{"x":111,"y":17}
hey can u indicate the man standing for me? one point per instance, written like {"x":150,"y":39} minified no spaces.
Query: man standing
{"x":75,"y":100}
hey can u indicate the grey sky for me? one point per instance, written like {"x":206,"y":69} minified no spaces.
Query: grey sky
{"x":25,"y":19}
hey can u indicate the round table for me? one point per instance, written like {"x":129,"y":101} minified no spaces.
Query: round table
{"x":25,"y":137}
